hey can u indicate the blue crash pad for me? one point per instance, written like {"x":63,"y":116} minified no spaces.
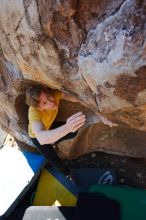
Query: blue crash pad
{"x":85,"y":177}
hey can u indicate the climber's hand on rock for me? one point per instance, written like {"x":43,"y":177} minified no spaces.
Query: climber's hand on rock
{"x":107,"y":122}
{"x":75,"y":122}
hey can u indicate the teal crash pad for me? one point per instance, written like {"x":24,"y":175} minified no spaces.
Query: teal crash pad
{"x":132,"y":200}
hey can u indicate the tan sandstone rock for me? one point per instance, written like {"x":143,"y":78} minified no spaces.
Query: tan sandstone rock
{"x":94,"y":50}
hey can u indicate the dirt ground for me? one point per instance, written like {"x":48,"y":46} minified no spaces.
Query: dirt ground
{"x":129,"y":171}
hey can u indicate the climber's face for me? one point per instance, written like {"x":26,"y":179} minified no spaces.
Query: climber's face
{"x":47,"y":102}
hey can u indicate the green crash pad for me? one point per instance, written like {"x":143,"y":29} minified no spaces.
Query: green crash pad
{"x":132,"y":200}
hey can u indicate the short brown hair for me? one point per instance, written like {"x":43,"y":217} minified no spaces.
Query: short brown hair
{"x":33,"y":93}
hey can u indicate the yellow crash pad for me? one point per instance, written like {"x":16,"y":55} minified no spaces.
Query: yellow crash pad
{"x":54,"y":190}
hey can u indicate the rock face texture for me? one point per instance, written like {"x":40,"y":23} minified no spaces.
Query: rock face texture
{"x":94,"y":50}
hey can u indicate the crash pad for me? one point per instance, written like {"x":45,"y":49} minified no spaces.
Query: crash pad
{"x":85,"y":177}
{"x":132,"y":200}
{"x":54,"y":190}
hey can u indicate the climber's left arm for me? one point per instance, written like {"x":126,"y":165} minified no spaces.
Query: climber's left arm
{"x":103,"y":119}
{"x":106,"y":121}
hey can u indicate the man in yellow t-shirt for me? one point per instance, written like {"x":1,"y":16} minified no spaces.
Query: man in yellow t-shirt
{"x":43,"y":108}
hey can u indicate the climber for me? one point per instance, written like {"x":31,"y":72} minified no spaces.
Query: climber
{"x":44,"y":132}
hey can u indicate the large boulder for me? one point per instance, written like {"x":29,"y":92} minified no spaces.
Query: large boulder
{"x":94,"y":50}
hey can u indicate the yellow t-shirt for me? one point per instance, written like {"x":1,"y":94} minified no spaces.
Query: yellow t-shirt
{"x":46,"y":116}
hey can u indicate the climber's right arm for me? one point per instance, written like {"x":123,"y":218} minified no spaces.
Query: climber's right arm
{"x":48,"y":136}
{"x":44,"y":136}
